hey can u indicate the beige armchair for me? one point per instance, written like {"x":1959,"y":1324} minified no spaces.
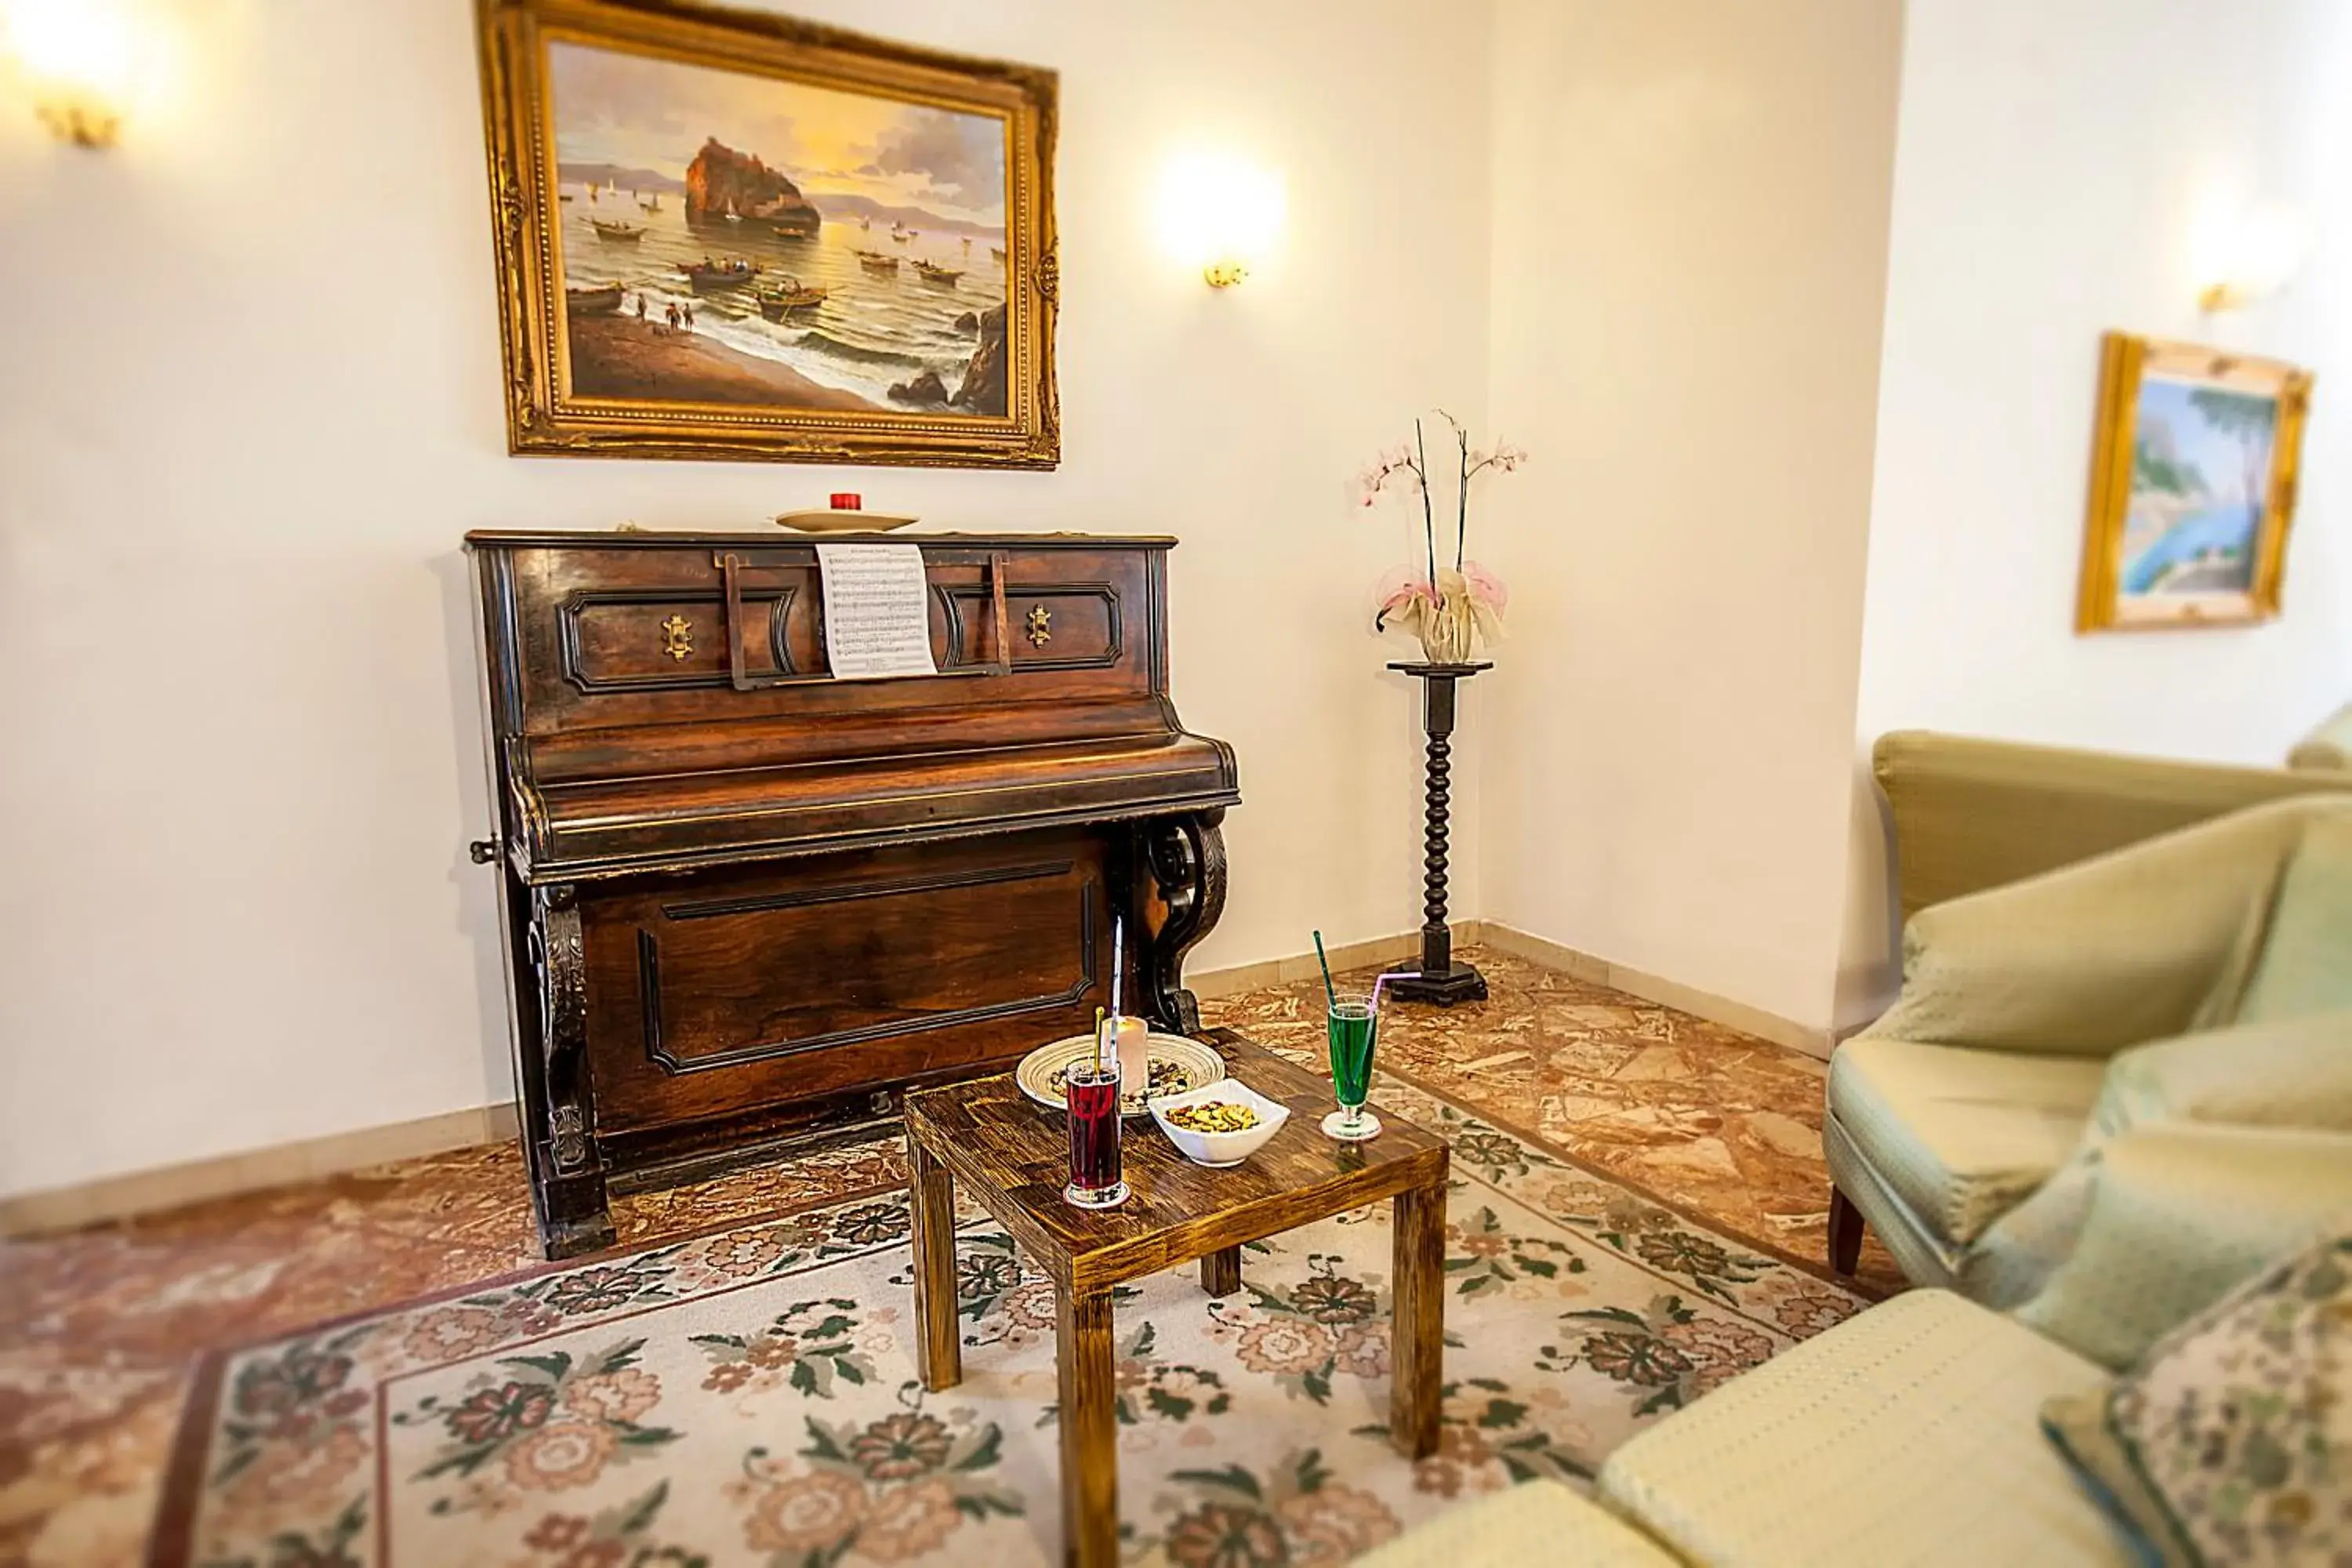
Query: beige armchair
{"x":2205,"y":975}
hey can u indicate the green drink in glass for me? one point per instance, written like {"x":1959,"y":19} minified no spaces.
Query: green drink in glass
{"x":1354,"y":1021}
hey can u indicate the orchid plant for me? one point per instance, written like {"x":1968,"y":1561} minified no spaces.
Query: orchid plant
{"x":1449,"y":607}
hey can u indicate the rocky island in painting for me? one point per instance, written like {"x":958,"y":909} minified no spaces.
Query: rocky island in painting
{"x":736,"y":239}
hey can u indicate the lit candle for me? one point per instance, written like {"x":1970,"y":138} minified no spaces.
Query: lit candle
{"x":1134,"y":1047}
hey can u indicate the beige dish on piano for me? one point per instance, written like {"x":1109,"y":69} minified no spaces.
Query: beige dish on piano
{"x":824,"y":519}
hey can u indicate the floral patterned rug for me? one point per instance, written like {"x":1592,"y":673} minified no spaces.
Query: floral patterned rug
{"x":751,"y":1397}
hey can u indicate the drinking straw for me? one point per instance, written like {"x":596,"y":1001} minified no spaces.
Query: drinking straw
{"x":1329,"y":990}
{"x":1383,"y":979}
{"x":1117,"y":958}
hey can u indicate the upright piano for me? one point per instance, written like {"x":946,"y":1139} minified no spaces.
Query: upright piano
{"x":744,"y":902}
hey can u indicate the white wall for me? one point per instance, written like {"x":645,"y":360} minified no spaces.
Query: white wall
{"x":2057,"y":165}
{"x":250,"y":401}
{"x":1690,"y":222}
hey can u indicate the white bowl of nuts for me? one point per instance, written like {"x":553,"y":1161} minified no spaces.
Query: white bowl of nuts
{"x":1221,"y":1124}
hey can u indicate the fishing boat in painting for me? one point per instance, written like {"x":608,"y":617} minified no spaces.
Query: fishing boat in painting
{"x":607,"y":228}
{"x":705,"y":277}
{"x":789,"y":295}
{"x":932,"y":272}
{"x":876,"y":262}
{"x":593,"y":301}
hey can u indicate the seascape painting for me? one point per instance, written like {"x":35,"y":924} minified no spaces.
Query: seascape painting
{"x":845,"y":255}
{"x":730,"y":239}
{"x":2192,"y":486}
{"x":2200,"y":480}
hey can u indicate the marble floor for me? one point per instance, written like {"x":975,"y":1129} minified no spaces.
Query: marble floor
{"x":98,"y":1329}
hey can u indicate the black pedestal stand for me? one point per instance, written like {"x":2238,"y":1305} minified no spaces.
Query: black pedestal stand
{"x":1441,"y":979}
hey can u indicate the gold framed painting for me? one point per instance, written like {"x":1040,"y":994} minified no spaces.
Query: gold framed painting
{"x":2192,"y":485}
{"x":727,"y":233}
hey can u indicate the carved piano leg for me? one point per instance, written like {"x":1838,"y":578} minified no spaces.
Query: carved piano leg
{"x":1185,"y":858}
{"x":567,"y":1175}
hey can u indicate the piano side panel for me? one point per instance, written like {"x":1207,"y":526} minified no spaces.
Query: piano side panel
{"x":755,"y":989}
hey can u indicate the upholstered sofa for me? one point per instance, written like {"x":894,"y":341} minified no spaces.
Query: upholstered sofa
{"x":1911,"y":1433}
{"x":2205,"y":975}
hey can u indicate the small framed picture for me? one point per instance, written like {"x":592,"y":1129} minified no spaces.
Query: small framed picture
{"x":2193,"y":486}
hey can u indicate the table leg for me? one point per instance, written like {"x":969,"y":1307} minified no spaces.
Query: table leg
{"x":939,"y":1353}
{"x":1221,"y":1272}
{"x":1417,"y":1332}
{"x":1082,"y":1351}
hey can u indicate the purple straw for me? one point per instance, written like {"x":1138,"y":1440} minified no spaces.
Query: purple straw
{"x":1383,"y":979}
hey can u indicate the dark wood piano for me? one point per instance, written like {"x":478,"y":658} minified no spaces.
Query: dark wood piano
{"x":744,"y":902}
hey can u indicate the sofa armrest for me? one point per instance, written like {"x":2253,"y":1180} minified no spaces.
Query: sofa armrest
{"x":1971,"y":814}
{"x":2178,"y":1215}
{"x":2150,"y":941}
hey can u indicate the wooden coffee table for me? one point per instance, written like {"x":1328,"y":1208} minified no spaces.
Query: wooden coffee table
{"x":1013,"y":1155}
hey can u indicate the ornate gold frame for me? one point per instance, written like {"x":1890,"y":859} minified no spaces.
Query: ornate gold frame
{"x":2124,"y":362}
{"x":542,"y":418}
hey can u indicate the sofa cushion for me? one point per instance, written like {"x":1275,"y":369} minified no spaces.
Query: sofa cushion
{"x":2232,"y":1440}
{"x":1906,"y":1435}
{"x":1960,"y":1134}
{"x":2177,"y":1217}
{"x":2304,"y":968}
{"x":1539,"y":1521}
{"x":2290,"y":1073}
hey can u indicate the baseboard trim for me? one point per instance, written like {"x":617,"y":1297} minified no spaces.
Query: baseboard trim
{"x":226,"y":1175}
{"x":170,"y":1186}
{"x":1715,"y":1009}
{"x":1209,"y":983}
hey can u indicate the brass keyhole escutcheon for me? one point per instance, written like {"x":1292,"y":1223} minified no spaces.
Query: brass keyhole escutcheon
{"x":1041,"y":626}
{"x":677,"y":637}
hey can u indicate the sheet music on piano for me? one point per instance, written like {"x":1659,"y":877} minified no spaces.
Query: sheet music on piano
{"x":877,"y":623}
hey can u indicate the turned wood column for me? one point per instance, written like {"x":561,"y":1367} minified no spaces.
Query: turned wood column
{"x":1441,"y":980}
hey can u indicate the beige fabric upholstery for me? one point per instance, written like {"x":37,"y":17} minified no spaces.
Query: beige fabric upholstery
{"x":2108,"y":984}
{"x":2295,"y":1073}
{"x":1904,"y":1435}
{"x":2179,"y":1215}
{"x":1970,"y":815}
{"x":2305,"y":965}
{"x":1924,"y":1257}
{"x":1961,"y":1135}
{"x":2327,"y":749}
{"x":1540,"y":1521}
{"x":2152,"y":941}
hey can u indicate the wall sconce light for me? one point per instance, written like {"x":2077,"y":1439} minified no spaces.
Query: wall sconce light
{"x":2248,"y":255}
{"x":1220,"y":214}
{"x":74,"y":60}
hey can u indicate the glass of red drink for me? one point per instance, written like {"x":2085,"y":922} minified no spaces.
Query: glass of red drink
{"x":1091,"y":1094}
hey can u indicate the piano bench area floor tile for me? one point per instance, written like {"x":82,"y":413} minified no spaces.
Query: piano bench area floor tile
{"x":100,"y":1328}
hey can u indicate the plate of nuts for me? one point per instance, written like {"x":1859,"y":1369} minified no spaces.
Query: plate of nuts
{"x":1221,"y":1124}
